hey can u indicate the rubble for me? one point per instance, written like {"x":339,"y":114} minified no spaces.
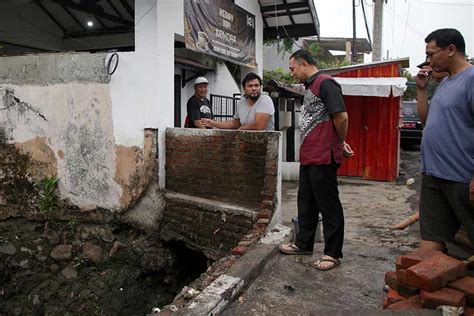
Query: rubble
{"x":429,"y":279}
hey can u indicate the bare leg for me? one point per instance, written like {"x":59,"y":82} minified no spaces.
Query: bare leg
{"x":432,"y":245}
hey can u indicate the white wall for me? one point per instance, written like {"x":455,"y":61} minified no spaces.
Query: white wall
{"x":133,"y":87}
{"x":142,"y":88}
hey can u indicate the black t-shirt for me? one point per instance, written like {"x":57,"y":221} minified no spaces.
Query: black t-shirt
{"x":198,"y":109}
{"x":331,"y":95}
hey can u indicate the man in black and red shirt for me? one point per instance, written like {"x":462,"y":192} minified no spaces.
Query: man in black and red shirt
{"x":323,"y":127}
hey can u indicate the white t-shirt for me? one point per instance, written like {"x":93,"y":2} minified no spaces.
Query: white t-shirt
{"x":246,"y":113}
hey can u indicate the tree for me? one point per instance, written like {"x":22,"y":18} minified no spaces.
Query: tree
{"x":278,"y":74}
{"x":283,"y":45}
{"x":286,"y":46}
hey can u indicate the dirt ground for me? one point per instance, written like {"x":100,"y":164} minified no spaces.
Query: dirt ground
{"x":289,"y":285}
{"x":371,"y":207}
{"x":74,"y":268}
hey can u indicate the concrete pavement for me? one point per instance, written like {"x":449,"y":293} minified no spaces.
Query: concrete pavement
{"x":288,"y":285}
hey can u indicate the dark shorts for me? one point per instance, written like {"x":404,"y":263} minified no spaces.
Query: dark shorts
{"x":444,"y":207}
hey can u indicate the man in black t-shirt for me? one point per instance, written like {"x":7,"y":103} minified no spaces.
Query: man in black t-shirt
{"x":198,"y":105}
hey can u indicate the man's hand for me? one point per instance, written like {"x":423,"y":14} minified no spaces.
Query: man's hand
{"x":207,"y":122}
{"x":471,"y":192}
{"x":423,"y":77}
{"x":347,"y":150}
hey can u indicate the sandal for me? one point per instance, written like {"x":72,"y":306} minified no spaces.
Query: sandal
{"x":335,"y":263}
{"x":292,"y":249}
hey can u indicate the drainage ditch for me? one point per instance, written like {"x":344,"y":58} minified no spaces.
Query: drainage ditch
{"x":64,"y":268}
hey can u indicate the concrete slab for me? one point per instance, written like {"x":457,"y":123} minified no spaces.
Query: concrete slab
{"x":228,"y":287}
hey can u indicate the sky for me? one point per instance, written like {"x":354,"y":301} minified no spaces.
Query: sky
{"x":406,"y":23}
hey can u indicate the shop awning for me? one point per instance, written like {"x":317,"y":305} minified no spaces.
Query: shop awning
{"x":289,"y":19}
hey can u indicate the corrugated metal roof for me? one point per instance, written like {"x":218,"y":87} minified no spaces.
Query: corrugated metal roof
{"x":290,"y":19}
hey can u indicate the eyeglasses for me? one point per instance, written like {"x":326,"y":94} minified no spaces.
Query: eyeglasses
{"x":431,"y":54}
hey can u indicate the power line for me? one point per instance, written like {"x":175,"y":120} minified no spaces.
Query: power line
{"x":366,"y":25}
{"x":406,"y":26}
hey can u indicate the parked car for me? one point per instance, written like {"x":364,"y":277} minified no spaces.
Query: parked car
{"x":412,"y":129}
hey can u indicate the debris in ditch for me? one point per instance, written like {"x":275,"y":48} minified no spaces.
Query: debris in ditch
{"x":192,"y":291}
{"x":410,"y":181}
{"x":451,"y":310}
{"x":173,"y":308}
{"x":289,"y":288}
{"x":216,"y":231}
{"x":241,"y":300}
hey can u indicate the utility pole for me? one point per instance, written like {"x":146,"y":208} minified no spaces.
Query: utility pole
{"x":378,"y":15}
{"x":353,"y":48}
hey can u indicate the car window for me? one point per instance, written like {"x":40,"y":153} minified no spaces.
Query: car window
{"x":409,"y":110}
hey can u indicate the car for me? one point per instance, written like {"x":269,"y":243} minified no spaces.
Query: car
{"x":412,"y":129}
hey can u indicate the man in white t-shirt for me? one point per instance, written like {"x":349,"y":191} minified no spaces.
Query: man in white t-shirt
{"x":254,"y":112}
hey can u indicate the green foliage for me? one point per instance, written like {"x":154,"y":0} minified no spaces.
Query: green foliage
{"x":277,"y":74}
{"x":321,"y":63}
{"x":280,"y":75}
{"x":72,"y":223}
{"x":283,"y":46}
{"x":48,"y":197}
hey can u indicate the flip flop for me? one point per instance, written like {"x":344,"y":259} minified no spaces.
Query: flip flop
{"x":335,"y":263}
{"x":292,"y":249}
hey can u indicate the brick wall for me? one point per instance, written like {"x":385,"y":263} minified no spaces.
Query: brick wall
{"x":206,"y":226}
{"x":222,"y":187}
{"x":230,"y":166}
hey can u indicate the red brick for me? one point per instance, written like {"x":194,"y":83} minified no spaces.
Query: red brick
{"x":398,"y":263}
{"x":401,"y":275}
{"x":434,"y":273}
{"x":465,"y":285}
{"x":266,"y":204}
{"x":403,"y":289}
{"x":239,"y":250}
{"x":414,"y":257}
{"x":391,"y":279}
{"x":265,"y":214}
{"x":412,"y":303}
{"x":444,"y":296}
{"x":468,"y":311}
{"x":393,"y":297}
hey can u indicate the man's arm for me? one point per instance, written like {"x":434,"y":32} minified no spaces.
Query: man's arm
{"x":331,"y":95}
{"x":261,"y":120}
{"x":422,"y":79}
{"x":199,"y":123}
{"x":341,"y":123}
{"x":232,"y":124}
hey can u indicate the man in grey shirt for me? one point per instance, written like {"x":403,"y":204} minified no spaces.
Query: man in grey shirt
{"x":254,"y":112}
{"x":447,"y":146}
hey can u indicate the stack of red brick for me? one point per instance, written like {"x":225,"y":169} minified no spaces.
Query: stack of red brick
{"x":428,"y":279}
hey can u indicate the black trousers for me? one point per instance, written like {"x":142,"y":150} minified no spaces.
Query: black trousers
{"x":318,"y":193}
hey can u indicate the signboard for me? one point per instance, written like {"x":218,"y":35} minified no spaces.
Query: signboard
{"x":221,"y":29}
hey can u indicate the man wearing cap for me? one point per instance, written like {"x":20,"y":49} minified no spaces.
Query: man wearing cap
{"x":198,"y":105}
